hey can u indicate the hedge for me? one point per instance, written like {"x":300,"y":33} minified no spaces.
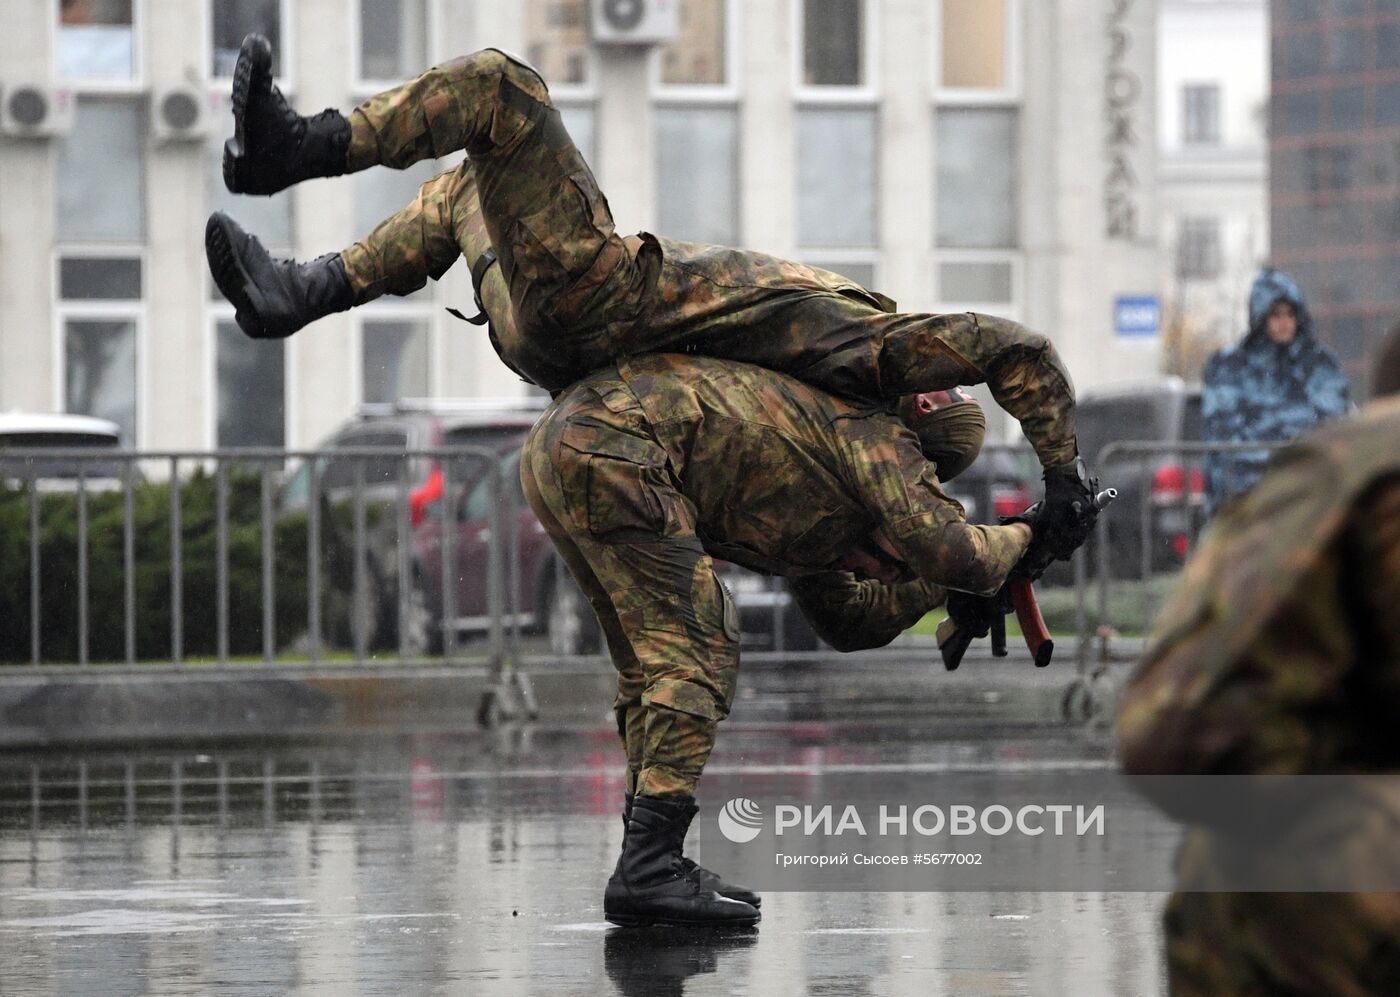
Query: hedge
{"x":58,"y":557}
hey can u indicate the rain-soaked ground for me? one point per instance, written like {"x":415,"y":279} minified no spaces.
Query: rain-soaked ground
{"x":474,"y":864}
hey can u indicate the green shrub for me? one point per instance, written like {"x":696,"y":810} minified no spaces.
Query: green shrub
{"x":58,"y":557}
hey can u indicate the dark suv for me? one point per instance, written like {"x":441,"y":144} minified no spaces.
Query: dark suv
{"x":496,"y":427}
{"x":1161,"y":495}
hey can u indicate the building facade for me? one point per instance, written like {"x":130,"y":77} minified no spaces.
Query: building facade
{"x":994,"y":155}
{"x":1212,"y":100}
{"x":1335,"y":161}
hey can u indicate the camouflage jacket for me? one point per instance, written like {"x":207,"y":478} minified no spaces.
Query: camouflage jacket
{"x":1259,"y":390}
{"x":1279,"y":650}
{"x":788,"y":479}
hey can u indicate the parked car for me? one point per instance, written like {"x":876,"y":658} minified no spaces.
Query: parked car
{"x":1002,"y":481}
{"x":1163,"y":492}
{"x":21,"y":432}
{"x":496,"y":427}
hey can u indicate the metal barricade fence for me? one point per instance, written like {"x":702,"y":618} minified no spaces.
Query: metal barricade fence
{"x":1143,"y":539}
{"x":363,"y":518}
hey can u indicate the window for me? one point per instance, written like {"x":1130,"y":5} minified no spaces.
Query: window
{"x":250,"y":383}
{"x":100,"y":371}
{"x":976,"y":282}
{"x":378,"y":194}
{"x":975,"y":45}
{"x":697,"y":173}
{"x":833,"y":43}
{"x":102,"y":173}
{"x":231,"y":20}
{"x":1198,"y":249}
{"x":699,"y":56}
{"x":268,"y":218}
{"x":977,"y":195}
{"x":836,"y":153}
{"x":393,"y":39}
{"x":96,"y":40}
{"x":99,"y":278}
{"x":99,"y":313}
{"x":556,"y":40}
{"x":1200,"y":114}
{"x":395,"y":358}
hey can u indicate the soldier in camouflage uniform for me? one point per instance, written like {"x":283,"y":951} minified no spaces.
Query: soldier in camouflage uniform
{"x":581,"y":296}
{"x":1278,"y":382}
{"x":643,"y":472}
{"x":1279,"y":653}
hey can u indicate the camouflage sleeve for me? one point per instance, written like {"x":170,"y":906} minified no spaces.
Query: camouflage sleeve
{"x":1021,"y":367}
{"x":887,"y":472}
{"x":852,"y":615}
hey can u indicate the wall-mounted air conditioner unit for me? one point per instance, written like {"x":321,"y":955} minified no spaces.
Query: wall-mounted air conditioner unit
{"x":180,"y":113}
{"x":635,"y":22}
{"x":33,"y":110}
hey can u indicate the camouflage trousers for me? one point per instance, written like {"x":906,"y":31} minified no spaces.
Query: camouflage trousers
{"x":597,"y":480}
{"x":570,"y":295}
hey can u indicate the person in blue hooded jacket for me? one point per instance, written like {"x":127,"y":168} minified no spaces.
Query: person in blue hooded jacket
{"x":1273,"y":385}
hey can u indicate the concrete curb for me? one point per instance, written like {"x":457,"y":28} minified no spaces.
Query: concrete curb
{"x":70,"y":709}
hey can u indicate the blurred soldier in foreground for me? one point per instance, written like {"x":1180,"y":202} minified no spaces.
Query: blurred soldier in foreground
{"x":1278,"y":382}
{"x":644,"y":471}
{"x":524,"y":208}
{"x":1279,"y":653}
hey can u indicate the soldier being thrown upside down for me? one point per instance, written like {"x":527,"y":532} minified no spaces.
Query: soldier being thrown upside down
{"x":650,"y":462}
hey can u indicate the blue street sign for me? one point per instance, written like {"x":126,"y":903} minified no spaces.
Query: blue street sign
{"x":1140,"y":315}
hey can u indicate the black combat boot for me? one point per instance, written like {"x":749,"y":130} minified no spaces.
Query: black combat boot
{"x":273,"y":298}
{"x":707,"y":879}
{"x":273,"y":147}
{"x":650,"y":885}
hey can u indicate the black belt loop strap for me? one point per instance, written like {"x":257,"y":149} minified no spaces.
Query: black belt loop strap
{"x":478,"y":275}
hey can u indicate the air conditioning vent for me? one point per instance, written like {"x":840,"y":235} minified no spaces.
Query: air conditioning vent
{"x":180,"y":113}
{"x":635,"y":22}
{"x":30,"y":110}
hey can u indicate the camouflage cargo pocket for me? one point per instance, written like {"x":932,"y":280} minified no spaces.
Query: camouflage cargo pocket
{"x":611,"y":489}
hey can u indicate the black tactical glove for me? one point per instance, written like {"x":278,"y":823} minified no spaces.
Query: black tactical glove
{"x":1068,"y":513}
{"x":974,"y":613}
{"x":1061,"y":523}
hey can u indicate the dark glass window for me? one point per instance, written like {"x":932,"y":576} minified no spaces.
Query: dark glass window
{"x":832,"y":42}
{"x":1349,"y":108}
{"x":90,"y":278}
{"x":1200,"y":114}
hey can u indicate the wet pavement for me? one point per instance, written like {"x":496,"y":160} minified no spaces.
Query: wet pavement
{"x":474,"y":864}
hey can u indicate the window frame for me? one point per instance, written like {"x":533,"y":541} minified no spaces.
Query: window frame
{"x":865,"y":92}
{"x":135,"y":84}
{"x":132,"y":310}
{"x":362,"y":86}
{"x":562,"y":92}
{"x":676,"y":103}
{"x":397,"y":310}
{"x":1011,"y":92}
{"x":1217,"y":139}
{"x":1008,"y":309}
{"x":287,"y":29}
{"x":727,"y":92}
{"x":1197,"y":224}
{"x":220,"y":310}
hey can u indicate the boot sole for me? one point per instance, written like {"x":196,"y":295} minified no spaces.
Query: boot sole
{"x":254,"y":66}
{"x":631,"y":921}
{"x":229,"y":274}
